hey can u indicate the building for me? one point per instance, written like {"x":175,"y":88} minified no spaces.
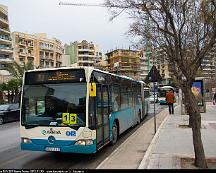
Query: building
{"x":146,"y":63}
{"x":164,"y":67}
{"x":6,"y":50}
{"x":208,"y":64}
{"x":83,"y":53}
{"x":124,"y":62}
{"x":38,"y":49}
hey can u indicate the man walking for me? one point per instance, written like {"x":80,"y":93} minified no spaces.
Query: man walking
{"x":170,"y":99}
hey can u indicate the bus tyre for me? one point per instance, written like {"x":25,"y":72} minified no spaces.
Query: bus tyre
{"x":114,"y":133}
{"x":1,"y":120}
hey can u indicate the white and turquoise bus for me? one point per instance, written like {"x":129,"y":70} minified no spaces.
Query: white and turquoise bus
{"x":77,"y":110}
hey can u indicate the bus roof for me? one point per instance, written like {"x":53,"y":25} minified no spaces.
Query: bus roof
{"x":166,"y":87}
{"x":82,"y":67}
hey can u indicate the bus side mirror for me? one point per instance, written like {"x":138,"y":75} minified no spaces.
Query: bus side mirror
{"x":92,"y":89}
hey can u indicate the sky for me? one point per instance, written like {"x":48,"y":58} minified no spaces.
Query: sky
{"x":69,"y":23}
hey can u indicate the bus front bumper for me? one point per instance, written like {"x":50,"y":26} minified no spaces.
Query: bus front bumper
{"x":84,"y":149}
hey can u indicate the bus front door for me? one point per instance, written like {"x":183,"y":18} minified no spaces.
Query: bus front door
{"x":102,"y":115}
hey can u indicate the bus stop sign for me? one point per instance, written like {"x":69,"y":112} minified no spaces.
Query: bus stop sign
{"x":153,"y":75}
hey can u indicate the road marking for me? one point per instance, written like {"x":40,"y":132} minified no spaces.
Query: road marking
{"x":13,"y":160}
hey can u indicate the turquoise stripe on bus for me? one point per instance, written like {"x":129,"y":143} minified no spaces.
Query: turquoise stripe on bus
{"x":57,"y":142}
{"x":88,"y":149}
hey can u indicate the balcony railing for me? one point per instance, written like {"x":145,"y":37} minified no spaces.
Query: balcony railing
{"x":6,"y":30}
{"x":30,"y":55}
{"x":6,"y":49}
{"x":5,"y":39}
{"x":22,"y":53}
{"x":86,"y":50}
{"x":4,"y":20}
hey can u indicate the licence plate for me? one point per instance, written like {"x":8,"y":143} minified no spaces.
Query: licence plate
{"x":52,"y":149}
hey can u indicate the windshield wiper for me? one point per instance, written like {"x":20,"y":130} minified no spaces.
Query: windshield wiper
{"x":30,"y":126}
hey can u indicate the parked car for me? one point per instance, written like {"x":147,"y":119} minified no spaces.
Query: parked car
{"x":9,"y":112}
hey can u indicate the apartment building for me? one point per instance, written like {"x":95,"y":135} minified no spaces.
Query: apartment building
{"x":125,"y":62}
{"x":38,"y":49}
{"x":208,"y":64}
{"x":146,"y":63}
{"x":163,"y":66}
{"x":83,"y":53}
{"x":6,"y":50}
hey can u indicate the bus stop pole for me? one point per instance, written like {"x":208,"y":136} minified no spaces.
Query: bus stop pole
{"x":154,"y":109}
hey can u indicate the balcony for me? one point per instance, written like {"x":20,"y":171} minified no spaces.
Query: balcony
{"x":6,"y":59}
{"x":47,"y":48}
{"x":5,"y":30}
{"x":86,"y":55}
{"x":30,"y":55}
{"x":4,"y":21}
{"x":22,"y":54}
{"x":5,"y":39}
{"x":31,"y":45}
{"x":86,"y":50}
{"x":6,"y":49}
{"x":83,"y":61}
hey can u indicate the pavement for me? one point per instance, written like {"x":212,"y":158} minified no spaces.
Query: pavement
{"x":173,"y":142}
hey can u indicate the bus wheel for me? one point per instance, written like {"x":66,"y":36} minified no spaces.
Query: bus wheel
{"x":1,"y":120}
{"x":114,"y":133}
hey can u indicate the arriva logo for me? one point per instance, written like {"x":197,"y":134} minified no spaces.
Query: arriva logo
{"x":50,"y":131}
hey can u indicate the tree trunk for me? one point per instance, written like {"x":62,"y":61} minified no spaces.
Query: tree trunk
{"x":1,"y":97}
{"x":187,"y":105}
{"x":16,"y":100}
{"x":195,"y":115}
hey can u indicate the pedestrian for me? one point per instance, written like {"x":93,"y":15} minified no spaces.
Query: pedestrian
{"x":170,"y":99}
{"x":214,"y":99}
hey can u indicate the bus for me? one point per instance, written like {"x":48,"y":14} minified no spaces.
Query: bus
{"x":77,"y":109}
{"x":162,"y":93}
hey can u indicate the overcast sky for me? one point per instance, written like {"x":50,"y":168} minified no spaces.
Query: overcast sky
{"x":69,"y":23}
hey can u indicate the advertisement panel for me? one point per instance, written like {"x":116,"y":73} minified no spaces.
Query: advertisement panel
{"x":198,"y":91}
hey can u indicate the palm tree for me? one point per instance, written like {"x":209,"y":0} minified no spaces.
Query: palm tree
{"x":13,"y":90}
{"x":3,"y":87}
{"x":17,"y":70}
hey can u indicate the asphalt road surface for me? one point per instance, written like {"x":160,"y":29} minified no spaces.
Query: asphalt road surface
{"x":11,"y":156}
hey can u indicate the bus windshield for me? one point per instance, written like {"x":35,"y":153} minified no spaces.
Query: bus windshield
{"x":45,"y":104}
{"x":163,"y":90}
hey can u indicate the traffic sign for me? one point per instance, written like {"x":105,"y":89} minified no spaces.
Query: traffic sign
{"x":153,"y":75}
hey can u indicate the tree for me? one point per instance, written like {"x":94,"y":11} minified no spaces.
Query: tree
{"x":2,"y":89}
{"x":17,"y":70}
{"x":186,"y":31}
{"x":14,"y":85}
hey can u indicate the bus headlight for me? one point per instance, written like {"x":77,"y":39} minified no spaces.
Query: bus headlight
{"x":84,"y":142}
{"x":26,"y":140}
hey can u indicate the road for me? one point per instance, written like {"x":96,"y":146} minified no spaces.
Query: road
{"x":11,"y":156}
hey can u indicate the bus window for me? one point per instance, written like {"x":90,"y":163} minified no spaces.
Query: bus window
{"x":116,"y":98}
{"x":124,"y":98}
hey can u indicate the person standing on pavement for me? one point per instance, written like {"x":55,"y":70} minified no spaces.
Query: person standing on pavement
{"x":214,"y":99}
{"x":170,"y":99}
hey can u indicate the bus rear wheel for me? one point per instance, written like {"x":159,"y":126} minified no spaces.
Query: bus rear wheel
{"x":114,"y":133}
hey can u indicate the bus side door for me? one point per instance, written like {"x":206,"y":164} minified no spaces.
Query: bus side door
{"x":102,"y":114}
